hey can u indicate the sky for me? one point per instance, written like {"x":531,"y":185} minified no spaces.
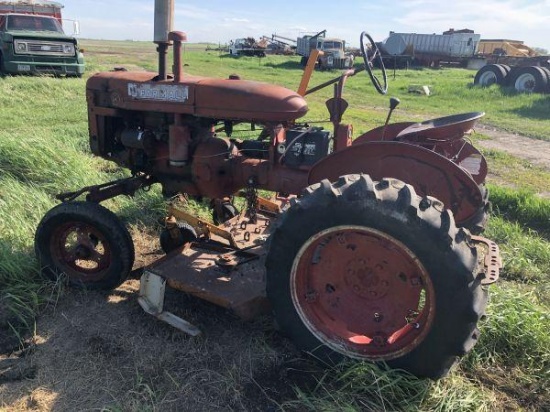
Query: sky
{"x":220,"y":21}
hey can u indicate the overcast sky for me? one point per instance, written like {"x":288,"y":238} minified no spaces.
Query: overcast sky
{"x":219,"y":21}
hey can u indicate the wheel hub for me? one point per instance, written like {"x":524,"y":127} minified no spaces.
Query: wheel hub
{"x":81,"y":251}
{"x":362,"y":292}
{"x":366,"y":281}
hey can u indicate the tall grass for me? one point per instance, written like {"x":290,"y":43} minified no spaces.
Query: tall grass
{"x":368,"y":387}
{"x":44,"y":150}
{"x":522,"y":206}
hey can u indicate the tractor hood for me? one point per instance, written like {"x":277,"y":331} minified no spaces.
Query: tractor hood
{"x":195,"y":95}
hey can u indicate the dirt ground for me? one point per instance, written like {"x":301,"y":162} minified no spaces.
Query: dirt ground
{"x":534,"y":151}
{"x":100,"y":351}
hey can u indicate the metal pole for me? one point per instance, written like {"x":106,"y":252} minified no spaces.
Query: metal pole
{"x":164,"y":21}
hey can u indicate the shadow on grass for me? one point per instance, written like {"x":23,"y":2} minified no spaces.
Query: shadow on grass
{"x":538,"y":110}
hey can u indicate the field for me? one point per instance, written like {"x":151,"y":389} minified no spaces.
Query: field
{"x":68,"y":350}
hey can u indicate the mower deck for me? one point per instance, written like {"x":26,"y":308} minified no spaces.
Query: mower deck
{"x":226,"y":277}
{"x":210,"y":269}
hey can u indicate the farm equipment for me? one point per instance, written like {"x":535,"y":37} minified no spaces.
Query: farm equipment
{"x":364,"y":252}
{"x":32,"y":40}
{"x":451,"y":47}
{"x":247,"y":47}
{"x":512,"y":63}
{"x":524,"y":79}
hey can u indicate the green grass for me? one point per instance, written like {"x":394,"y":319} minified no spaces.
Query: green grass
{"x":44,"y":150}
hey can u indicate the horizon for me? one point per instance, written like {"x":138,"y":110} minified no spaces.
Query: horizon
{"x":217,"y":23}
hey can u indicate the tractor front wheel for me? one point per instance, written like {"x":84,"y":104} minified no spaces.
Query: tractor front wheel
{"x":85,"y":242}
{"x":371,"y":271}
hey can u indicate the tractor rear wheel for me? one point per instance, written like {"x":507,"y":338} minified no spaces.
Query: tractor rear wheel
{"x":478,"y":222}
{"x":87,"y":243}
{"x":369,"y":270}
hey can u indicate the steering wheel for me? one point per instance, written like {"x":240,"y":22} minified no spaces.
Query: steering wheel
{"x":372,"y":55}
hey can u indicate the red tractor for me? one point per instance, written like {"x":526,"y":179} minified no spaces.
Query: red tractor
{"x":365,"y":252}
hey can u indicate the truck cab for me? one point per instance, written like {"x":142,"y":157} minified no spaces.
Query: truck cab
{"x":333,"y":51}
{"x":32,"y":41}
{"x":334,"y":55}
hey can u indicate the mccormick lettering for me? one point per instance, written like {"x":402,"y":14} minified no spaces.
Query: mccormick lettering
{"x":161,"y":92}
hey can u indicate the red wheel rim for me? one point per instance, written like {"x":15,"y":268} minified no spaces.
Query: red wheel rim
{"x":362,"y":293}
{"x":81,"y":251}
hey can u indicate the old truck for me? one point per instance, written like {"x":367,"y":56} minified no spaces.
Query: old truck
{"x":333,"y":54}
{"x":32,"y":40}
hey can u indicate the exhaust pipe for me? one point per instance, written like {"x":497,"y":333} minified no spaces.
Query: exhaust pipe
{"x":164,"y":22}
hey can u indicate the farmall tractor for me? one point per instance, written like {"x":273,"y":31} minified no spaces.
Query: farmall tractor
{"x":366,"y":250}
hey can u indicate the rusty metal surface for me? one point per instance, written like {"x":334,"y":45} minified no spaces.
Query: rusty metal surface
{"x":232,"y":279}
{"x":465,"y":155}
{"x":375,"y":135}
{"x":441,"y":129}
{"x":428,"y":172}
{"x":492,"y":262}
{"x":458,"y":150}
{"x":370,"y":298}
{"x":200,"y":96}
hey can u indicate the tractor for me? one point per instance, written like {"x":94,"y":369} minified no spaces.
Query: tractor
{"x":368,"y":248}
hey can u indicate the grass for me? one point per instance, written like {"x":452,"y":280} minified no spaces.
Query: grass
{"x":44,"y":150}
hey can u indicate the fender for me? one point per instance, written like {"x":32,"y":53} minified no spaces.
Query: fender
{"x":461,"y":152}
{"x":376,"y":134}
{"x":464,"y":154}
{"x":428,"y":172}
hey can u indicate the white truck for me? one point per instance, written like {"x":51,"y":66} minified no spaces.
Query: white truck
{"x":333,"y":56}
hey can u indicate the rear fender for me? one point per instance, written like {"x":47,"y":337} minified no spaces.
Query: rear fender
{"x":464,"y":154}
{"x":461,"y":152}
{"x":428,"y":172}
{"x":375,"y":135}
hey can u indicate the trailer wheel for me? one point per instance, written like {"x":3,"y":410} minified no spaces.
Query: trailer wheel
{"x":369,"y":270}
{"x":547,"y":71}
{"x":490,"y":74}
{"x":530,"y":79}
{"x":87,"y":243}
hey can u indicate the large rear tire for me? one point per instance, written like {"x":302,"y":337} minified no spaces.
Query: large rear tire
{"x":369,"y":270}
{"x":85,"y":242}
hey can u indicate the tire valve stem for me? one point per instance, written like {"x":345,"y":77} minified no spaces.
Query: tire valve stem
{"x":378,"y":317}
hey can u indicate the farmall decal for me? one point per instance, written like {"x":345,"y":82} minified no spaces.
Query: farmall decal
{"x":160,"y":92}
